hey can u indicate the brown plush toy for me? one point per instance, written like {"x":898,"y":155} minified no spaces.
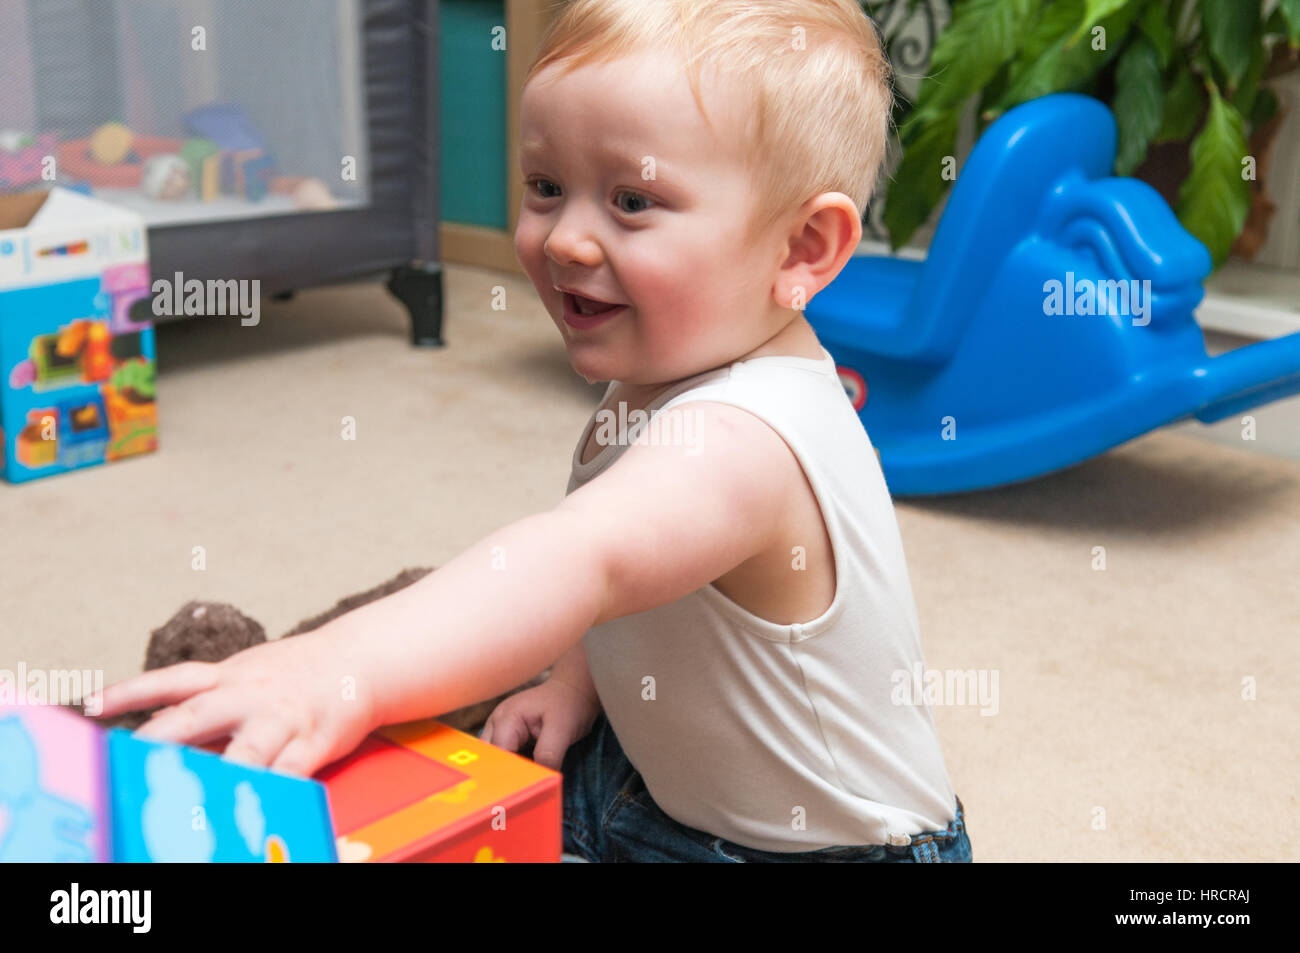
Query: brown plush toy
{"x":213,"y":631}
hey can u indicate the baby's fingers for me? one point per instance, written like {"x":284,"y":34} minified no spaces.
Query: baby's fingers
{"x":163,"y":686}
{"x":507,"y":731}
{"x":305,"y":754}
{"x":260,"y":742}
{"x":559,"y":730}
{"x":203,"y":718}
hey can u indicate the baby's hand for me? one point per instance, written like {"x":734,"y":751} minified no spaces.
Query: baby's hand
{"x":554,"y":713}
{"x":283,"y":704}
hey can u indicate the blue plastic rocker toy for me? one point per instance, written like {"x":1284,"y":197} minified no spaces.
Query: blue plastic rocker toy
{"x":1051,"y":321}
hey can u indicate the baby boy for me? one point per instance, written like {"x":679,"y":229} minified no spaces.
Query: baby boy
{"x":722,"y":596}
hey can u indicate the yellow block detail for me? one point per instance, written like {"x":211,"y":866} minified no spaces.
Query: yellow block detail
{"x":457,"y":795}
{"x":277,"y":852}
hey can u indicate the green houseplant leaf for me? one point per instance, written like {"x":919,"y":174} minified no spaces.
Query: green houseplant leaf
{"x":1243,"y":98}
{"x":1096,"y":11}
{"x":1049,"y":62}
{"x":1290,"y":10}
{"x":1157,"y":27}
{"x":1184,"y":106}
{"x":1050,"y":31}
{"x":1266,"y":107}
{"x":982,"y":35}
{"x":1139,"y":102}
{"x":1215,"y":198}
{"x":918,"y":183}
{"x":1232,"y":28}
{"x":1171,"y":70}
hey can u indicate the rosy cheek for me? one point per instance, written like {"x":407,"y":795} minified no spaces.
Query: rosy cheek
{"x":525,"y":236}
{"x":529,"y":248}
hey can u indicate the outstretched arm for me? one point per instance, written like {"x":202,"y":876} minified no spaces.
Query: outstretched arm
{"x":482,"y":624}
{"x":662,"y":522}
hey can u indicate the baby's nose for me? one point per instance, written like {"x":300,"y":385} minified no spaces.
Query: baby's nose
{"x":567,"y":246}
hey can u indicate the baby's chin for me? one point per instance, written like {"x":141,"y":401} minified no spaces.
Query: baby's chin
{"x":591,"y":372}
{"x":591,"y":361}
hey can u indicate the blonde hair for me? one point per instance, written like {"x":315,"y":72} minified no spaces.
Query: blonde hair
{"x":818,"y":79}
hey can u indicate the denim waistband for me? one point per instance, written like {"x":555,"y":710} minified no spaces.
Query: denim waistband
{"x":924,"y":846}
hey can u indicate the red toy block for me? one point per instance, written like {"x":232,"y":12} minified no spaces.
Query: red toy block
{"x":425,"y":792}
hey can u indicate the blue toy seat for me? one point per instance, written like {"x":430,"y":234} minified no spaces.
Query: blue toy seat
{"x":1051,"y":321}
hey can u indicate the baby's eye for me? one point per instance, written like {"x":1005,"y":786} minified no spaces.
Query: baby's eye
{"x":635,"y":198}
{"x":541,"y":185}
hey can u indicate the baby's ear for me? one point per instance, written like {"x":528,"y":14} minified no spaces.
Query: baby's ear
{"x":825,"y":236}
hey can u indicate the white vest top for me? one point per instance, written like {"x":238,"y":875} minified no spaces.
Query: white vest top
{"x":783,"y":737}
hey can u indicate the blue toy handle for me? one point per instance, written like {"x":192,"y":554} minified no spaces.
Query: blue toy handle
{"x":1250,"y":376}
{"x":993,"y":205}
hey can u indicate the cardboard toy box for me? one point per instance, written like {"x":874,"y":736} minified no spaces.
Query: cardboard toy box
{"x":69,"y":791}
{"x":424,"y":792}
{"x":76,"y":372}
{"x":53,"y":787}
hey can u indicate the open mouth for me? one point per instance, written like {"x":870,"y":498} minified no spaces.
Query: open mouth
{"x":583,"y":313}
{"x":590,"y":306}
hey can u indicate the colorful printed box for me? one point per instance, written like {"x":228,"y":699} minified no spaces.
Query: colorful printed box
{"x":53,"y":784}
{"x":21,"y":166}
{"x":71,"y":792}
{"x":428,"y":793}
{"x":419,"y":792}
{"x":172,"y":804}
{"x":76,"y":372}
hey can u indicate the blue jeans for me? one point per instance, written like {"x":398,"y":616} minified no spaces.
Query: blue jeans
{"x":609,"y":816}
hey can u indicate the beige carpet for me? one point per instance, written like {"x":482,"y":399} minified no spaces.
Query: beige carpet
{"x":1121,"y":731}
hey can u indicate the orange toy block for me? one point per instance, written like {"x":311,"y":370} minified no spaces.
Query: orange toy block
{"x":425,"y":792}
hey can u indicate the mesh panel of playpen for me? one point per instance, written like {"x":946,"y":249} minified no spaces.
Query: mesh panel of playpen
{"x":185,"y":110}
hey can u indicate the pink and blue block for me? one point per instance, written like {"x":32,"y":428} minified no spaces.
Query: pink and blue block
{"x":71,"y":792}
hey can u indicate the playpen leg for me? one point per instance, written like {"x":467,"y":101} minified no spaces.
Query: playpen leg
{"x":420,"y":289}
